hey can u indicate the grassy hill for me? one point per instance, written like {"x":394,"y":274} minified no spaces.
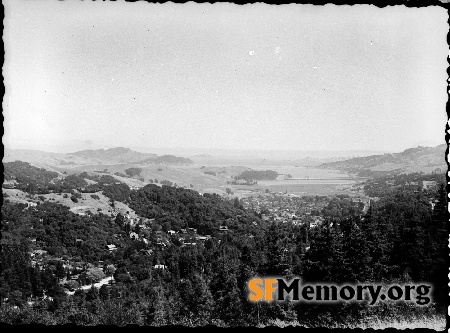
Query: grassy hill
{"x":116,"y":155}
{"x":87,"y":202}
{"x":43,"y":159}
{"x":126,"y":155}
{"x":202,"y":178}
{"x":426,"y":159}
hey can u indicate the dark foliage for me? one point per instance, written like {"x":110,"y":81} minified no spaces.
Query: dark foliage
{"x":183,"y":279}
{"x":133,"y":171}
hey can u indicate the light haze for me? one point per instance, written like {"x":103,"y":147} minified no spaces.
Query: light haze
{"x":87,"y":75}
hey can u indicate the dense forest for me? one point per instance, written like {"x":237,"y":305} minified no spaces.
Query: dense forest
{"x":28,"y":177}
{"x":190,"y":271}
{"x":384,"y":185}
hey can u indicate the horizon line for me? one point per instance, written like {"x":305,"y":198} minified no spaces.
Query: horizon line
{"x":258,"y":150}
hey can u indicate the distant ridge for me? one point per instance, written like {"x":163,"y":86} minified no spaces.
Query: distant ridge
{"x":425,"y":159}
{"x":127,"y":155}
{"x":117,"y":155}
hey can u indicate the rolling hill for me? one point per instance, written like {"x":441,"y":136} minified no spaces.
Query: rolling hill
{"x":126,"y":155}
{"x":425,"y":159}
{"x":116,"y":155}
{"x":90,"y":157}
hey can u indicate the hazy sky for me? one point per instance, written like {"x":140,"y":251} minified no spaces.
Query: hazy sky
{"x":85,"y":75}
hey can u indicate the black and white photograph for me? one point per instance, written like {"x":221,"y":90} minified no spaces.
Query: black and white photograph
{"x":220,"y":165}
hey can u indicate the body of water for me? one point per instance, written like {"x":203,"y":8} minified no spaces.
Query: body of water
{"x":305,"y":181}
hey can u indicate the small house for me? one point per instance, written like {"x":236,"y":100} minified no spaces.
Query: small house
{"x":159,"y":266}
{"x":40,"y":252}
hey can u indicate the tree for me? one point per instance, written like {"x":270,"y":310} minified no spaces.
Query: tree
{"x":72,"y":285}
{"x":110,"y":269}
{"x":59,"y":271}
{"x":15,"y":297}
{"x":237,"y":203}
{"x":120,"y":220}
{"x":92,"y":294}
{"x":197,"y":301}
{"x":95,"y":274}
{"x":104,"y":292}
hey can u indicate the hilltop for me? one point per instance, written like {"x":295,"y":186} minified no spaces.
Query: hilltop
{"x":117,"y":155}
{"x":425,"y":159}
{"x":126,"y":155}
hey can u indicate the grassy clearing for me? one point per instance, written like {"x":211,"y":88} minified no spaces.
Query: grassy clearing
{"x":85,"y":203}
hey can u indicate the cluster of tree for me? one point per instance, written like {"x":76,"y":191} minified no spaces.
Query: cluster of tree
{"x":340,"y":206}
{"x":242,"y":182}
{"x":40,"y":181}
{"x":168,"y":183}
{"x":110,"y":186}
{"x":56,"y":229}
{"x":117,"y":192}
{"x":74,"y":197}
{"x":388,"y":183}
{"x":120,"y":174}
{"x":184,"y":208}
{"x":19,"y":280}
{"x":206,"y":283}
{"x":212,"y":173}
{"x":28,"y":178}
{"x":401,"y":240}
{"x":257,"y":175}
{"x":133,"y":171}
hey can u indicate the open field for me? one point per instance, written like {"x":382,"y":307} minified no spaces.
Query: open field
{"x":84,"y":204}
{"x":300,"y":190}
{"x":302,"y":172}
{"x":209,"y":178}
{"x":306,"y":181}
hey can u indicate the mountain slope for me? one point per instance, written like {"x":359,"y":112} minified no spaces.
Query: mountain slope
{"x":118,"y":154}
{"x":126,"y":155}
{"x":44,"y":159}
{"x":425,"y":159}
